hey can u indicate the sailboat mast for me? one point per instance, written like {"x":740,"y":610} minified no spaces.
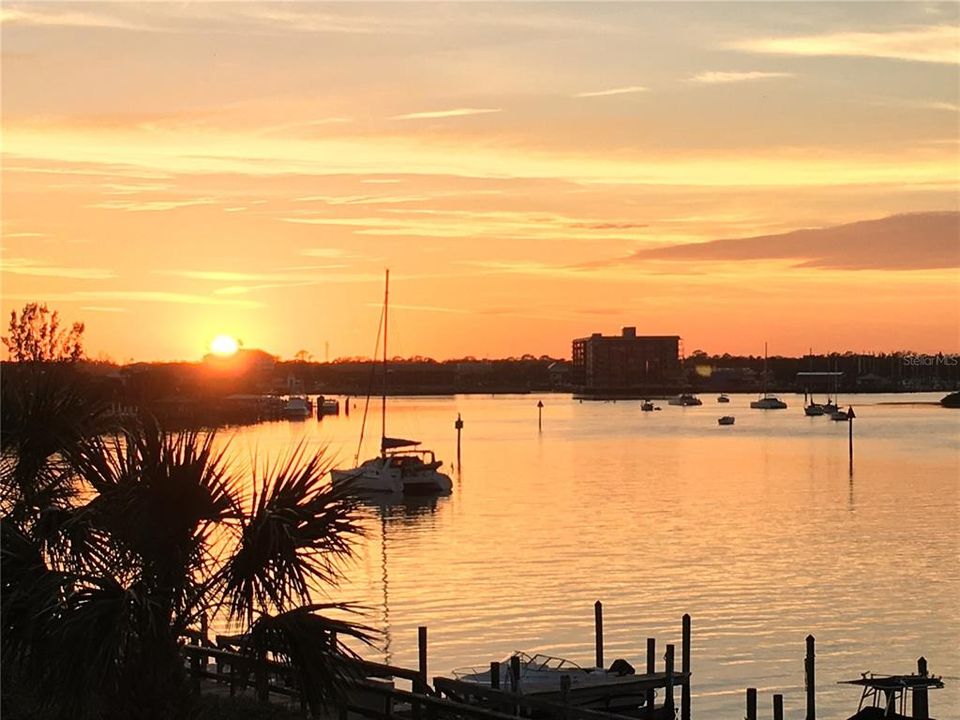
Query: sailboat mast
{"x":383,"y":400}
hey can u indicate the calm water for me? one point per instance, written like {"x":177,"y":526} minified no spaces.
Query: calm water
{"x":756,"y":530}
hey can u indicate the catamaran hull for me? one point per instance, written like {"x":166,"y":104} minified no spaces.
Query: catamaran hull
{"x":384,"y":483}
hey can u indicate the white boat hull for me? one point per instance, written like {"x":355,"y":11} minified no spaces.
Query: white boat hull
{"x":382,"y":476}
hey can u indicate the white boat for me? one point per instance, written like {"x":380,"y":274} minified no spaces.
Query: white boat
{"x":685,"y":400}
{"x":618,"y":687}
{"x":767,"y":401}
{"x":726,"y":420}
{"x":401,"y":468}
{"x":327,"y":406}
{"x":296,"y":408}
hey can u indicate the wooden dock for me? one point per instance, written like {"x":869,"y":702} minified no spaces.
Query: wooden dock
{"x":219,"y":669}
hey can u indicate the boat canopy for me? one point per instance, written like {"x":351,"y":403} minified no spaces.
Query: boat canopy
{"x":389,"y":443}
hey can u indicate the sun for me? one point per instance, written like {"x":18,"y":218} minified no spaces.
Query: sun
{"x":224,"y":345}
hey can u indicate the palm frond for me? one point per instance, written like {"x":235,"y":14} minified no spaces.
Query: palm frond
{"x":310,"y":645}
{"x":294,"y":538}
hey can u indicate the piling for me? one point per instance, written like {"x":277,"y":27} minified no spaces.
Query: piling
{"x":515,"y":674}
{"x":685,"y":668}
{"x":539,"y":414}
{"x":598,"y":632}
{"x":851,"y":415}
{"x":811,"y":680}
{"x":751,"y":704}
{"x":778,"y":707}
{"x":495,"y":675}
{"x":668,"y":690}
{"x":565,"y":689}
{"x":422,"y":656}
{"x":651,"y":669}
{"x":459,"y":426}
{"x":921,"y":707}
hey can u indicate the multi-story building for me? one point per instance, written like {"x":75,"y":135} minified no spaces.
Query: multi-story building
{"x":627,"y":362}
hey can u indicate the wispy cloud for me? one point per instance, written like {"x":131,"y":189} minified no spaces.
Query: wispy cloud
{"x":26,"y":266}
{"x":146,"y":296}
{"x":455,"y":112}
{"x":105,"y":308}
{"x":151,"y":205}
{"x":934,"y":44}
{"x":38,"y":15}
{"x":916,"y":241}
{"x":629,"y":89}
{"x":718,"y":77}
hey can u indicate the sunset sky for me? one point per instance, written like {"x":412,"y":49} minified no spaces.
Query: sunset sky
{"x":530,"y":173}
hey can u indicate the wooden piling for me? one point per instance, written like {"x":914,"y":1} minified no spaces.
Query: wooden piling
{"x":778,"y":707}
{"x":668,"y":690}
{"x":515,"y":674}
{"x":422,"y":656}
{"x":751,"y":704}
{"x":494,"y":675}
{"x":539,"y":414}
{"x":651,"y":669}
{"x":459,"y":426}
{"x":811,"y":679}
{"x":921,"y":707}
{"x":565,"y":689}
{"x":598,"y":632}
{"x":685,"y":668}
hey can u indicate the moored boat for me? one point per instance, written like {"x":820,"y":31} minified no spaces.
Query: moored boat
{"x":726,"y":420}
{"x":723,"y":398}
{"x":951,"y":401}
{"x":401,"y":468}
{"x":296,"y":408}
{"x":685,"y":400}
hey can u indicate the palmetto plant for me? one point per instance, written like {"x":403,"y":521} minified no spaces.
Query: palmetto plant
{"x":114,"y":543}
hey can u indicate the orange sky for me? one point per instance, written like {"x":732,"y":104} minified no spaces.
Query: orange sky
{"x":172,"y":171}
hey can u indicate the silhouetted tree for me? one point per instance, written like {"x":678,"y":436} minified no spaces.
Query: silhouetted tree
{"x":113,"y":544}
{"x":36,"y":336}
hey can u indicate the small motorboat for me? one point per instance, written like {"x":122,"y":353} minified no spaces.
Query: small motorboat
{"x":951,"y":401}
{"x":297,"y":408}
{"x":895,"y":697}
{"x":723,"y":398}
{"x":327,"y":406}
{"x":610,"y":690}
{"x":685,"y":400}
{"x":726,"y":420}
{"x":647,"y":406}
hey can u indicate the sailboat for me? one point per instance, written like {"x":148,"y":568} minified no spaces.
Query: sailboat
{"x":402,"y":467}
{"x":767,"y":402}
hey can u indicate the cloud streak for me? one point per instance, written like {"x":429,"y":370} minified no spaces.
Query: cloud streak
{"x":915,"y":241}
{"x":438,"y":114}
{"x":627,"y":90}
{"x":930,"y":44}
{"x":26,"y":266}
{"x":718,"y":77}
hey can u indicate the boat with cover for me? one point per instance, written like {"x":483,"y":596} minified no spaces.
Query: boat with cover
{"x":723,"y":398}
{"x":611,"y":690}
{"x":685,"y":400}
{"x":726,"y":420}
{"x":297,"y":408}
{"x":767,"y":401}
{"x":402,"y":467}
